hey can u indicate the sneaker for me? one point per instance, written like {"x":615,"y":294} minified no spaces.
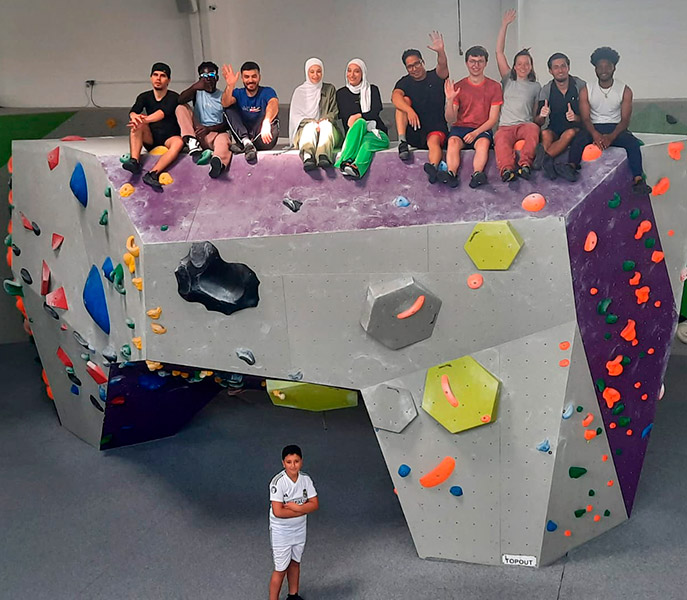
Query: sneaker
{"x":549,"y":169}
{"x":343,"y":165}
{"x":640,"y":187}
{"x":539,"y":157}
{"x":294,"y":597}
{"x":291,"y":204}
{"x":309,"y":163}
{"x":432,"y":172}
{"x":192,"y":143}
{"x":507,"y":175}
{"x":351,"y":171}
{"x":478,"y":178}
{"x":403,"y":151}
{"x":132,"y":165}
{"x":451,"y":180}
{"x":235,"y":148}
{"x":251,"y":153}
{"x":216,"y":167}
{"x":152,"y":178}
{"x":566,"y":171}
{"x":324,"y":162}
{"x":525,"y":172}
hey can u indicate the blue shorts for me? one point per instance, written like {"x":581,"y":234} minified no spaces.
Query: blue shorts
{"x":461,"y":132}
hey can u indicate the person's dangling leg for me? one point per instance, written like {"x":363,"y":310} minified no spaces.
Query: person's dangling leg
{"x":325,"y":145}
{"x":352,"y":142}
{"x":307,"y":144}
{"x":371,"y":144}
{"x":188,"y":133}
{"x":221,"y":155}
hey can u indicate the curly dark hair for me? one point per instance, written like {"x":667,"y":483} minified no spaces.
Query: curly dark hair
{"x":604,"y":53}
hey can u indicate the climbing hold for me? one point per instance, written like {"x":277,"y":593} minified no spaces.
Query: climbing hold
{"x":82,"y":341}
{"x":154,"y":313}
{"x":51,"y":311}
{"x":54,"y":157}
{"x":131,"y":246}
{"x":590,"y":242}
{"x":493,"y":245}
{"x":96,"y":373}
{"x":108,"y":268}
{"x":567,"y":533}
{"x":64,"y":358}
{"x":292,"y":205}
{"x":568,"y":411}
{"x":624,"y":421}
{"x":580,"y":512}
{"x":636,"y":278}
{"x":108,"y":192}
{"x":57,"y":299}
{"x":165,"y":179}
{"x":164,"y":227}
{"x":138,"y":283}
{"x":629,"y":333}
{"x":74,"y":390}
{"x":416,"y":306}
{"x":642,"y":228}
{"x":611,"y":319}
{"x":593,"y":291}
{"x":158,"y":151}
{"x":95,"y":403}
{"x":57,"y":240}
{"x":661,"y":187}
{"x":642,"y":294}
{"x":589,"y":434}
{"x":607,"y":513}
{"x":73,"y":138}
{"x":657,"y":256}
{"x":533,"y":202}
{"x":611,"y":396}
{"x":25,"y":221}
{"x":401,"y":201}
{"x":448,"y":393}
{"x":150,"y":381}
{"x":564,"y":363}
{"x":647,"y":430}
{"x":125,"y":158}
{"x":475,"y":281}
{"x":671,"y":120}
{"x":618,"y":408}
{"x":153,"y":365}
{"x":626,"y":360}
{"x":650,"y":242}
{"x":104,"y":218}
{"x":126,"y":190}
{"x":675,"y":149}
{"x":544,"y":446}
{"x":576,"y":472}
{"x":610,"y":483}
{"x":129,"y":261}
{"x":26,"y":276}
{"x":109,"y":354}
{"x":202,"y":276}
{"x":404,"y":470}
{"x":634,"y":213}
{"x":94,"y":299}
{"x":456,"y":491}
{"x":440,"y":473}
{"x":297,"y":376}
{"x":591,"y":152}
{"x":615,"y":201}
{"x":245,"y":355}
{"x":628,"y":265}
{"x":551,"y":526}
{"x":587,"y":420}
{"x":602,"y":306}
{"x":130,"y":323}
{"x":158,"y":329}
{"x":126,"y":351}
{"x":72,"y":377}
{"x":78,"y":185}
{"x":137,"y":342}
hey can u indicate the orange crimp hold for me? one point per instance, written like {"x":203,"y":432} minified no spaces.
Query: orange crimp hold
{"x":611,"y":396}
{"x":591,"y":152}
{"x":661,"y":187}
{"x":615,"y":367}
{"x":590,"y":242}
{"x":440,"y":473}
{"x":589,"y":434}
{"x":657,"y":256}
{"x":642,"y":228}
{"x":564,"y":345}
{"x":642,"y":294}
{"x":675,"y":149}
{"x":629,"y":333}
{"x":635,"y":278}
{"x":9,"y":257}
{"x":19,"y":303}
{"x":587,"y":420}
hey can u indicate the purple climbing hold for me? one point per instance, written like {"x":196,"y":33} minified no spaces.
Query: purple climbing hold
{"x":78,"y":184}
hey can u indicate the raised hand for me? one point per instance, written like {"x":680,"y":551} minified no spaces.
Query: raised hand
{"x":509,"y":17}
{"x":570,"y":114}
{"x":229,"y":75}
{"x":437,"y":42}
{"x":450,"y":91}
{"x":545,"y":110}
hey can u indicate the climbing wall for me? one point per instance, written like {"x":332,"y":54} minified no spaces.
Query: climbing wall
{"x":509,"y":342}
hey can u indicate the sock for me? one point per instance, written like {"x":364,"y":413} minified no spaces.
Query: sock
{"x":246,"y":142}
{"x":402,"y":137}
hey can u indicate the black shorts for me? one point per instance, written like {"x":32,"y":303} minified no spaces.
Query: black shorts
{"x":561,"y":128}
{"x":418,"y":137}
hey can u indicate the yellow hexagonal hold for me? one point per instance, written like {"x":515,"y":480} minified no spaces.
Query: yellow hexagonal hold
{"x":493,"y":245}
{"x":309,"y":396}
{"x":461,"y":394}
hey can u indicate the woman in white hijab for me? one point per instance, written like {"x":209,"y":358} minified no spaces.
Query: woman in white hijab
{"x":313,"y":127}
{"x":359,"y":105}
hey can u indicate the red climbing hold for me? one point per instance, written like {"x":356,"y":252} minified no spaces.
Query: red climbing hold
{"x":57,"y":240}
{"x":54,"y":157}
{"x":26,"y":222}
{"x":96,"y":372}
{"x":661,"y":187}
{"x":62,"y":355}
{"x":45,"y":279}
{"x":73,"y":138}
{"x":57,"y":299}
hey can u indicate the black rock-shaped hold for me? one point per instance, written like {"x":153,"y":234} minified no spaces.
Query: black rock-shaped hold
{"x":202,"y":276}
{"x":671,"y":119}
{"x":35,"y":227}
{"x":51,"y":311}
{"x":16,"y":249}
{"x":26,"y":276}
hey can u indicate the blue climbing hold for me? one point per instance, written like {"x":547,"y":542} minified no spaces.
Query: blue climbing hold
{"x":402,"y":201}
{"x":544,"y":446}
{"x":568,"y":411}
{"x":551,"y":526}
{"x":443,"y":166}
{"x":647,"y":430}
{"x":108,"y":268}
{"x":75,"y":389}
{"x":94,"y":299}
{"x":102,"y":392}
{"x":151,"y":382}
{"x":404,"y":470}
{"x":456,"y":490}
{"x":78,"y":185}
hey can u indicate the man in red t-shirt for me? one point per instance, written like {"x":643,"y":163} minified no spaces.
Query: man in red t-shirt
{"x":472,"y":107}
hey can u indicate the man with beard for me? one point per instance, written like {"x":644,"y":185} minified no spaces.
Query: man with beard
{"x":250,"y":111}
{"x":204,"y":128}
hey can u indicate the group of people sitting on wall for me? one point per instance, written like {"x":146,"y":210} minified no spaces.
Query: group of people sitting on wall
{"x":432,"y":112}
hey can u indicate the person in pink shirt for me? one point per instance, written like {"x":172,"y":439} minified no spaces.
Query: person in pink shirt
{"x":472,"y":107}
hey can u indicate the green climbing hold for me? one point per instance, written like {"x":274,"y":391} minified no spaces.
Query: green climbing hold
{"x":618,"y":451}
{"x":600,"y":384}
{"x":205,"y":157}
{"x":69,"y":370}
{"x":626,"y":360}
{"x":580,"y":512}
{"x":8,"y":240}
{"x":611,"y":319}
{"x":164,"y":227}
{"x":118,"y":279}
{"x":650,"y":242}
{"x":629,"y":265}
{"x":615,"y":201}
{"x":576,"y":472}
{"x":579,"y":409}
{"x":130,"y":323}
{"x":634,"y":213}
{"x":592,"y":493}
{"x":104,"y":218}
{"x":642,"y":354}
{"x":13,"y":288}
{"x":106,"y":439}
{"x":602,"y":306}
{"x":124,"y":158}
{"x":624,"y":421}
{"x":607,"y":513}
{"x":599,"y":431}
{"x":618,"y":408}
{"x":607,"y":335}
{"x":108,"y":192}
{"x":85,"y":356}
{"x":126,"y":351}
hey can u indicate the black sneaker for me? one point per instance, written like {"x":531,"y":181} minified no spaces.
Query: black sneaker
{"x":132,"y":165}
{"x":294,"y":597}
{"x":640,"y":187}
{"x":549,"y":169}
{"x":309,"y":164}
{"x":251,"y":153}
{"x":525,"y":172}
{"x":452,"y":180}
{"x":351,"y":171}
{"x":324,"y":162}
{"x":507,"y":175}
{"x":343,"y":165}
{"x":432,"y":172}
{"x":539,"y":157}
{"x":152,"y":178}
{"x":566,"y":171}
{"x":196,"y":154}
{"x":403,"y":151}
{"x":216,"y":167}
{"x":478,"y":178}
{"x":235,"y":148}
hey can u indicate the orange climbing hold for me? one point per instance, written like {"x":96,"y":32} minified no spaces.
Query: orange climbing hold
{"x":661,"y":187}
{"x":19,"y":303}
{"x":642,"y":228}
{"x":475,"y":281}
{"x":564,"y":363}
{"x":657,"y":256}
{"x":533,"y":202}
{"x":440,"y":473}
{"x":591,"y":152}
{"x":611,"y":396}
{"x":610,"y":483}
{"x":73,"y":138}
{"x":628,"y":432}
{"x":642,"y":294}
{"x":615,"y":367}
{"x":485,"y":418}
{"x":644,"y":396}
{"x":657,"y":304}
{"x":519,"y":145}
{"x":590,"y":508}
{"x":587,"y":420}
{"x":417,"y":305}
{"x":448,"y":392}
{"x":650,"y":351}
{"x":636,"y":278}
{"x":671,"y":232}
{"x":613,"y":425}
{"x":604,"y":457}
{"x":567,"y":533}
{"x":589,"y":434}
{"x":675,"y":149}
{"x":593,"y":291}
{"x":26,"y":222}
{"x":638,"y":384}
{"x":64,"y":358}
{"x":635,"y":342}
{"x":9,"y":165}
{"x":590,"y":242}
{"x":564,"y":345}
{"x":597,"y":518}
{"x":629,"y":333}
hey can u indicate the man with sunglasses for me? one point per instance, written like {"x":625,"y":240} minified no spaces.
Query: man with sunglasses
{"x":419,"y":101}
{"x":204,"y":128}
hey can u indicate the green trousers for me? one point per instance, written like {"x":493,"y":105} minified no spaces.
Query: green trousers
{"x":360,"y":144}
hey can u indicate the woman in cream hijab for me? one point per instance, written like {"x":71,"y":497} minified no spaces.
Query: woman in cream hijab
{"x":359,"y":105}
{"x":313,"y":114}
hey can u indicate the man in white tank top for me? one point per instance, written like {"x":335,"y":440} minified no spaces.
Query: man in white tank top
{"x":606,"y":108}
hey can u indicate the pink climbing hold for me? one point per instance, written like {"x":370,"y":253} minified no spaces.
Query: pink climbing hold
{"x":54,"y":157}
{"x":96,"y":372}
{"x":57,"y":299}
{"x":57,"y":240}
{"x":73,"y":138}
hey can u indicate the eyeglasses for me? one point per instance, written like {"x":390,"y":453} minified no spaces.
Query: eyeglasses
{"x":415,"y":65}
{"x":208,"y":75}
{"x":476,"y":61}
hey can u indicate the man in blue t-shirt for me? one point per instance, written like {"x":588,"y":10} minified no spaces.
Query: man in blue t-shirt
{"x":250,"y":111}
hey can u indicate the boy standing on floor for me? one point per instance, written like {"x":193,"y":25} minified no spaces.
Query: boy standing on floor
{"x":292,"y":497}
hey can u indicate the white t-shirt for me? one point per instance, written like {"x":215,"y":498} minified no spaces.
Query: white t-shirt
{"x":282,"y":489}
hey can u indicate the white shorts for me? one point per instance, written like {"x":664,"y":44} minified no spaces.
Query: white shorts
{"x":283,"y":555}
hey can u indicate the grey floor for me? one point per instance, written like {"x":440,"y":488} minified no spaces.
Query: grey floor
{"x":186,"y":517}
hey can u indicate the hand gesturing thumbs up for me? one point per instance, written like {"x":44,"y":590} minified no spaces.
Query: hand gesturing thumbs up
{"x":545,"y":110}
{"x":570,"y":114}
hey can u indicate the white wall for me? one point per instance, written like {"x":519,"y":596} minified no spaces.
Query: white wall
{"x":649,"y":35}
{"x":48,"y":48}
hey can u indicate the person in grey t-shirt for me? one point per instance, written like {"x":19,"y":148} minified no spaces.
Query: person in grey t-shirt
{"x":520,"y":93}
